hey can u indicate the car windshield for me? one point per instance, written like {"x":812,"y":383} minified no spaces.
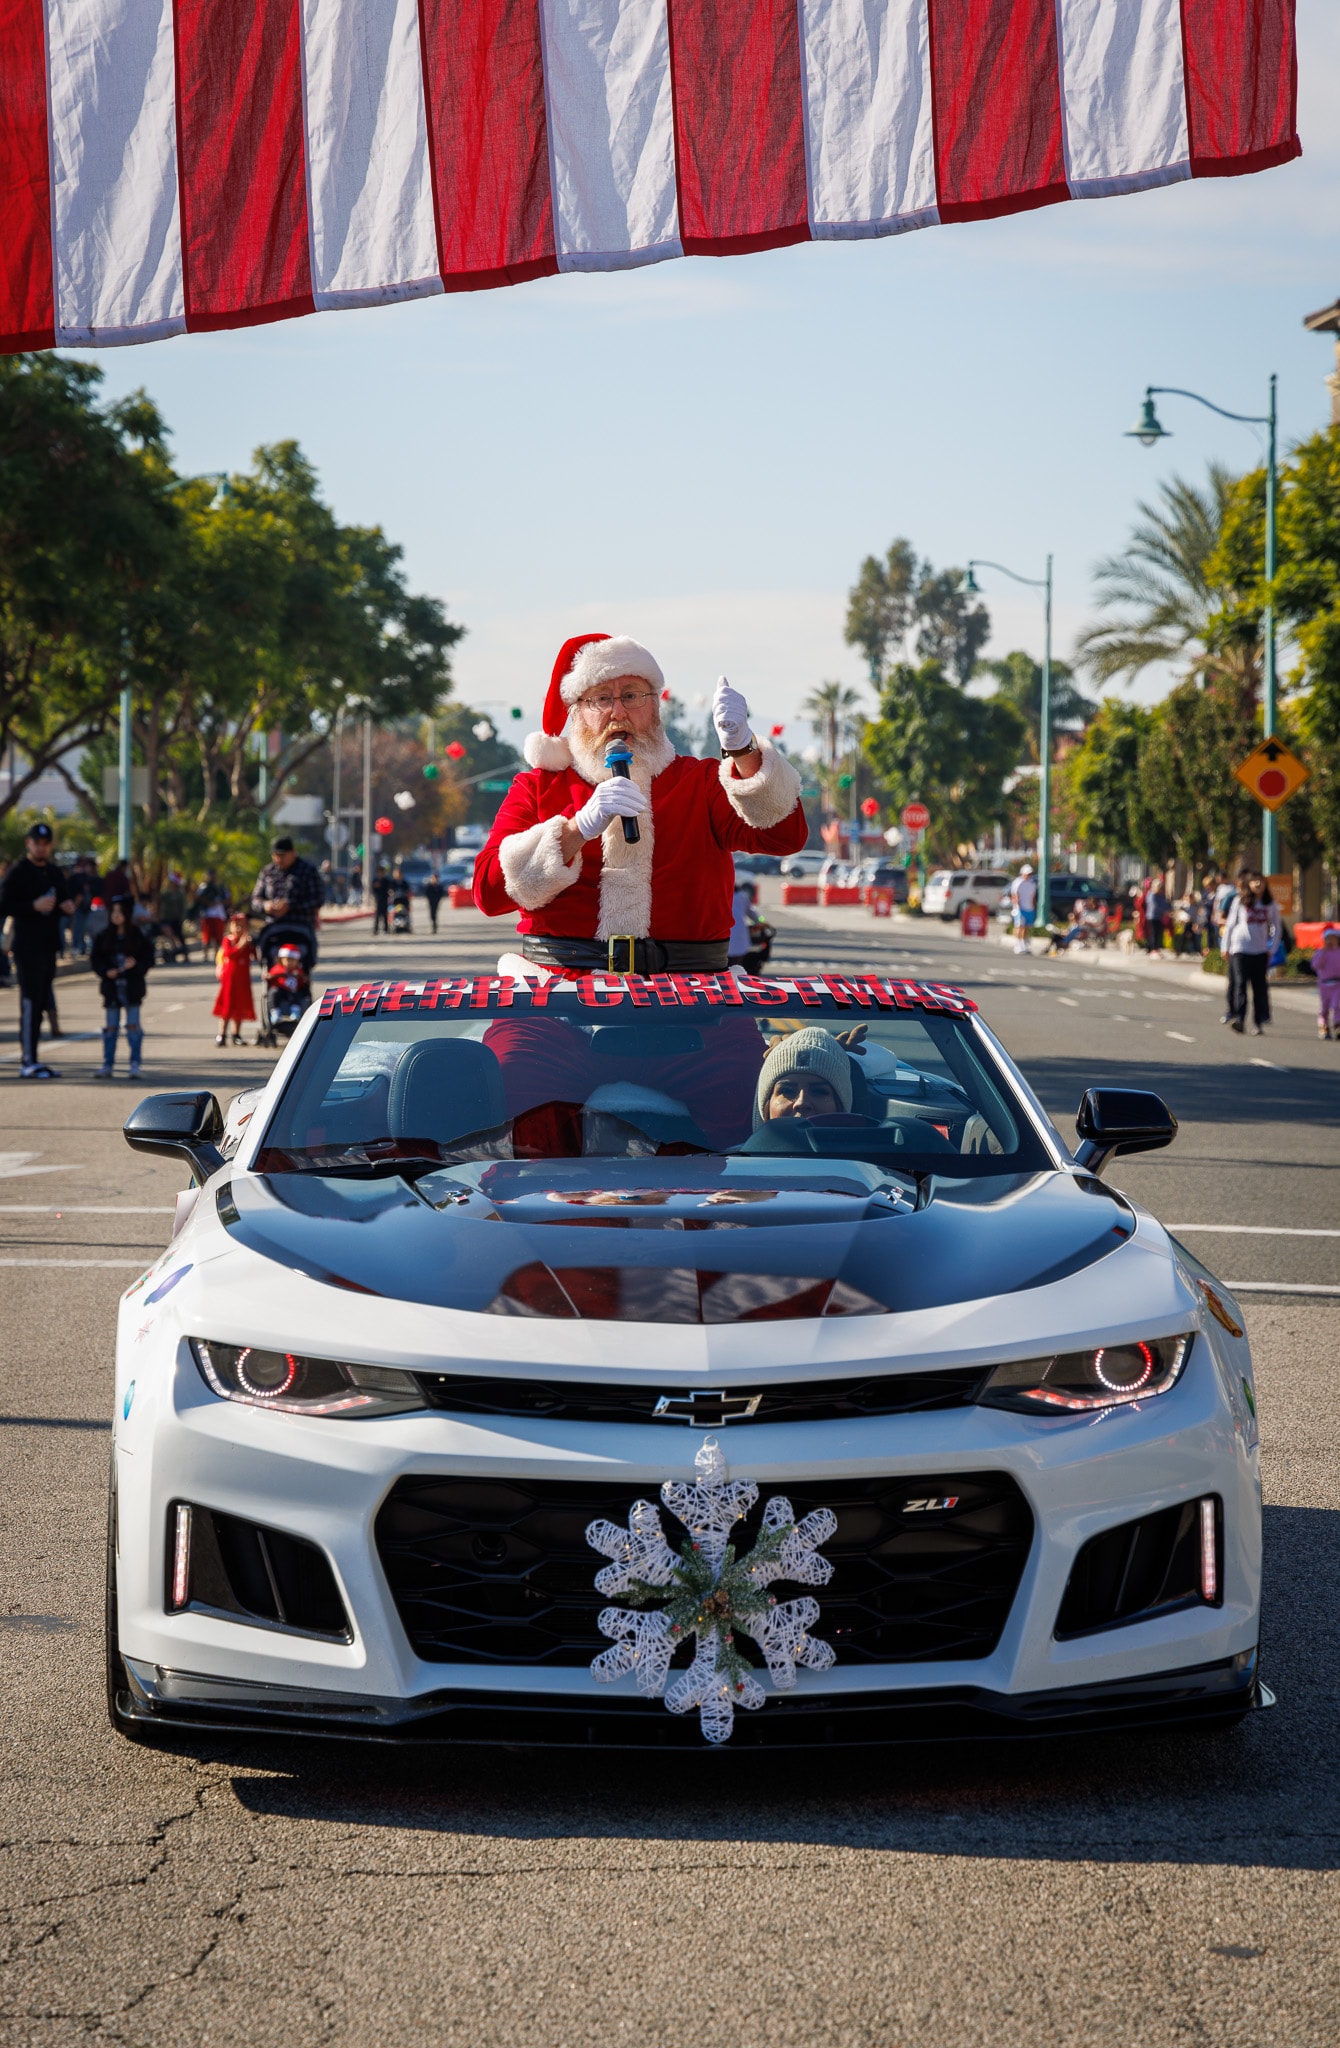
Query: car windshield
{"x":396,"y":1084}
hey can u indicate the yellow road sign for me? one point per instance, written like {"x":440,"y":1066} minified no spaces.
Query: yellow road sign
{"x":1272,"y":773}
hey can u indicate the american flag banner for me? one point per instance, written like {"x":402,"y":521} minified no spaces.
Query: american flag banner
{"x":170,"y":165}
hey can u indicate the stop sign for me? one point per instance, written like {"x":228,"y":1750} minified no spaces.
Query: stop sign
{"x":915,"y":817}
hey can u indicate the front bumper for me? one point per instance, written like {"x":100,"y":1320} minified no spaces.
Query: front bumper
{"x":1206,"y":1695}
{"x":326,"y":1482}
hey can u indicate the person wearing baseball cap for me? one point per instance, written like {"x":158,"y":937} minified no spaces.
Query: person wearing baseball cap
{"x":590,"y":896}
{"x":33,"y":893}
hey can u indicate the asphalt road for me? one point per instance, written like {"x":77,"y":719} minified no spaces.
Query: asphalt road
{"x":1143,"y":1890}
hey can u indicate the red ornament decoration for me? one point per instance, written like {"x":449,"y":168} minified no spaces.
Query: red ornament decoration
{"x":455,"y":752}
{"x":870,"y":809}
{"x":665,"y":696}
{"x":384,"y":826}
{"x":777,"y":731}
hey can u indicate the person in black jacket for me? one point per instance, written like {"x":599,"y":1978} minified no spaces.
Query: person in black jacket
{"x":34,"y":894}
{"x":433,"y":892}
{"x":121,"y":955}
{"x":381,"y":897}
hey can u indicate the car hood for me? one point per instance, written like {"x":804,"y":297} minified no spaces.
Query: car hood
{"x":785,"y":1253}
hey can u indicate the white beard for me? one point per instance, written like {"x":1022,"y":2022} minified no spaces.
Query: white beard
{"x":651,"y":751}
{"x":625,"y":871}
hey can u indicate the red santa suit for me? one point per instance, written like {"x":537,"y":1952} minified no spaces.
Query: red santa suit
{"x":676,"y":883}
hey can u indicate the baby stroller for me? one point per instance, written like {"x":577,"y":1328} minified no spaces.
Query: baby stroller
{"x":288,"y":955}
{"x":400,"y":907}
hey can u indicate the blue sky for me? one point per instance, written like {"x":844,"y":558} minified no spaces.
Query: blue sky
{"x":701,"y":453}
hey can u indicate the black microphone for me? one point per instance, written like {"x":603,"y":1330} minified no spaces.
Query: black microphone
{"x":619,"y":761}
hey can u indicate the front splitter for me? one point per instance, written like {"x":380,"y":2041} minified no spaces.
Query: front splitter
{"x":180,"y":1701}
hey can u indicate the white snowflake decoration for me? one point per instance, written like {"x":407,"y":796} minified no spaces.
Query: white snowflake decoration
{"x":711,"y":1595}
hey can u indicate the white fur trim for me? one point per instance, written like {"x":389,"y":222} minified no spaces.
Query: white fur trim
{"x":542,"y":750}
{"x":603,"y":661}
{"x":767,"y":796}
{"x":625,"y":871}
{"x":516,"y":967}
{"x":533,"y":867}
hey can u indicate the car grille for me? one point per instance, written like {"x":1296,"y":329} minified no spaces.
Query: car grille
{"x":803,"y":1401}
{"x":499,"y":1572}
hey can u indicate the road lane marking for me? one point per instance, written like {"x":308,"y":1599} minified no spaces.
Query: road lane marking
{"x":14,"y":1166}
{"x":93,"y":1209}
{"x":1251,"y":1230}
{"x":1277,"y":1287}
{"x":1180,"y":1036}
{"x":1069,"y":1002}
{"x":62,"y":1264}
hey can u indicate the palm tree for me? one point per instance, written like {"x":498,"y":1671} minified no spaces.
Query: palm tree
{"x":836,"y":721}
{"x":832,"y":711}
{"x":1156,"y":592}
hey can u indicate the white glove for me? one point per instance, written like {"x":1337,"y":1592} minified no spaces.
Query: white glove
{"x":618,"y":797}
{"x":730,"y":716}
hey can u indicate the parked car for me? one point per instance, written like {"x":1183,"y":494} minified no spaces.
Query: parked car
{"x":884,"y":874}
{"x":758,"y":863}
{"x":798,"y":865}
{"x":948,"y":889}
{"x":1065,"y":891}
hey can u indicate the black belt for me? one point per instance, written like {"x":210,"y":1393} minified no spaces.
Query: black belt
{"x":629,"y":956}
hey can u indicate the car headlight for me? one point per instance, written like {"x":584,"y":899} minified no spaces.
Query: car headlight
{"x":1074,"y":1381}
{"x":295,"y":1384}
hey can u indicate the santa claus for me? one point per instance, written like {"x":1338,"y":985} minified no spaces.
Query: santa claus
{"x":589,"y":898}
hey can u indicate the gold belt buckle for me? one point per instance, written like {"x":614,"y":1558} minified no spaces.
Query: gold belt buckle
{"x":623,"y":939}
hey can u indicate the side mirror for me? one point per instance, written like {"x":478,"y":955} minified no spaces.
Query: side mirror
{"x":179,"y":1127}
{"x":1111,"y":1120}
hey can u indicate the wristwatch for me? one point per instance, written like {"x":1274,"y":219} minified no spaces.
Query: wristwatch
{"x":734,"y":753}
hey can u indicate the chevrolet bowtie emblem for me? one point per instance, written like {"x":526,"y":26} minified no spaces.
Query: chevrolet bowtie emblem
{"x":706,"y":1407}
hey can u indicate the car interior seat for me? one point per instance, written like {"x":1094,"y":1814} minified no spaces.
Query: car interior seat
{"x":445,"y":1088}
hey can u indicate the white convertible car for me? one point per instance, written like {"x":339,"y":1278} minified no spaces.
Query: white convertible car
{"x":657,"y":1361}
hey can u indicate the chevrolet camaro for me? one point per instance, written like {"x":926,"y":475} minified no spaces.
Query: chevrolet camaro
{"x":657,"y":1361}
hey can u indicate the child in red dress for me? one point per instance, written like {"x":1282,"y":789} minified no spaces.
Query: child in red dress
{"x":233,"y":1005}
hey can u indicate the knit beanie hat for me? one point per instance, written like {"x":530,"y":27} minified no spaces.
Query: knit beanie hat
{"x":809,"y":1051}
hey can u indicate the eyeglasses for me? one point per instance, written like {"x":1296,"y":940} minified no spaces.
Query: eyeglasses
{"x":605,"y":700}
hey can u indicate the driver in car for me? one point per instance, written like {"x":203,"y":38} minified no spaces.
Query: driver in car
{"x":807,"y":1074}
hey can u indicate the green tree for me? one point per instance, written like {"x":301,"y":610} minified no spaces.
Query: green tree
{"x":87,"y":524}
{"x":495,"y":760}
{"x":326,"y":625}
{"x":1196,"y":736}
{"x":1307,"y":598}
{"x":880,"y":605}
{"x":932,"y":741}
{"x":1019,"y":682}
{"x":1112,"y":815}
{"x":899,"y":601}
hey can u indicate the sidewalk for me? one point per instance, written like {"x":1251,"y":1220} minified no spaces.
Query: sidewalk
{"x":1164,"y":968}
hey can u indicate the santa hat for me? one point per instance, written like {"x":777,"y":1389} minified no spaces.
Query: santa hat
{"x":584,"y":661}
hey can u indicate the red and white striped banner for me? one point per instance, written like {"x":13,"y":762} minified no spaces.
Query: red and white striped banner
{"x":190,"y":164}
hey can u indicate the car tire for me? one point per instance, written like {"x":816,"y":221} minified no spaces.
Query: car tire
{"x":118,"y":1680}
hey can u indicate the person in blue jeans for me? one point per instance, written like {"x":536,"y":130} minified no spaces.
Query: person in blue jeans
{"x":121,"y":956}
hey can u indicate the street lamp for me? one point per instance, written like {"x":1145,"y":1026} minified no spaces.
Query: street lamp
{"x":1044,"y":583}
{"x":1147,"y":430}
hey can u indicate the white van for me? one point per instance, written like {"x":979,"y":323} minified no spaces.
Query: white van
{"x":948,"y":889}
